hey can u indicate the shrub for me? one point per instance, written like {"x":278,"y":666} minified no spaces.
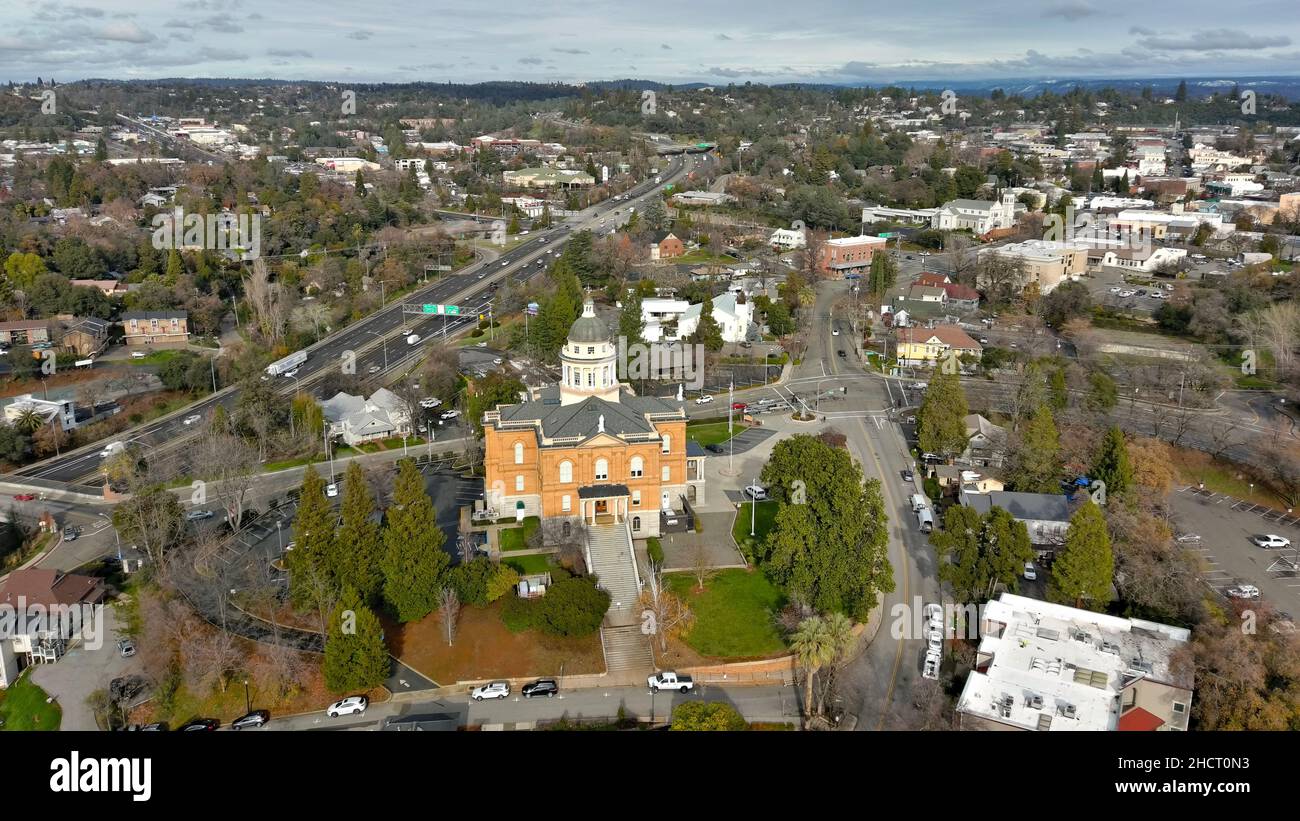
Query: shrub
{"x":471,"y":580}
{"x":519,"y":614}
{"x":655,"y":550}
{"x":572,"y":607}
{"x":502,"y":581}
{"x":932,"y":488}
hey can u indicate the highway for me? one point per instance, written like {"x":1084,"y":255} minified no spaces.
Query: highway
{"x":376,"y":337}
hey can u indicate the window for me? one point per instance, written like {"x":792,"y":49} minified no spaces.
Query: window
{"x":602,"y":469}
{"x":636,"y":498}
{"x":591,"y":379}
{"x":668,"y":443}
{"x":566,"y":472}
{"x":519,"y":453}
{"x":1180,"y":707}
{"x":519,"y":482}
{"x":591,"y":349}
{"x":638,"y":467}
{"x":667,"y":473}
{"x":565,"y":504}
{"x":636,"y":522}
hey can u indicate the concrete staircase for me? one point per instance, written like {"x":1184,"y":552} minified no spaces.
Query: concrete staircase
{"x":609,"y":551}
{"x":626,"y":649}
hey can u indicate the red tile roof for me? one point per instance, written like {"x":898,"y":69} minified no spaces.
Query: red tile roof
{"x":1139,"y":720}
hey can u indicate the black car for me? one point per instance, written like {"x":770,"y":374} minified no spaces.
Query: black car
{"x":907,"y":476}
{"x":542,"y":687}
{"x":70,"y":534}
{"x":842,"y":354}
{"x":254,"y":719}
{"x":714,"y":448}
{"x":155,"y":727}
{"x":199,"y":724}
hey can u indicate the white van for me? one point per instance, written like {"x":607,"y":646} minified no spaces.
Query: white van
{"x":925,"y":520}
{"x":412,"y":339}
{"x":919,"y":501}
{"x":110,"y":449}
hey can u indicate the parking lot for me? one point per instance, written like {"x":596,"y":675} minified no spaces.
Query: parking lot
{"x":1227,"y":556}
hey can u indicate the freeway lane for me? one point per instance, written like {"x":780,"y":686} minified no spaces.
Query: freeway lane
{"x":469,"y":288}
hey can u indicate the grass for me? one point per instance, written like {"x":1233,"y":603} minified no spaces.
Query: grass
{"x":527,"y":565}
{"x":516,"y":538}
{"x":733,"y":614}
{"x":1220,"y":476}
{"x":763,"y":519}
{"x":712,"y":433}
{"x":23,"y":706}
{"x":156,"y":357}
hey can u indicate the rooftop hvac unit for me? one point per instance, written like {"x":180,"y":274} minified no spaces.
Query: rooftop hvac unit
{"x":1036,"y":702}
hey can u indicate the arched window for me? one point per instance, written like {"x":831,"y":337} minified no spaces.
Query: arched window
{"x":566,"y":472}
{"x":636,"y":522}
{"x":637,"y":467}
{"x":519,"y":453}
{"x":519,"y":482}
{"x":668,"y":443}
{"x":602,"y":470}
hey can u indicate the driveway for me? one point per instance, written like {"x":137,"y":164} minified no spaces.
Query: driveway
{"x":83,"y":670}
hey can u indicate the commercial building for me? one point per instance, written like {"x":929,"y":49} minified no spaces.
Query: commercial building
{"x":849,"y":256}
{"x":1049,"y":667}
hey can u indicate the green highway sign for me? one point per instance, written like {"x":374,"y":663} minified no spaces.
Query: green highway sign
{"x":452,"y":310}
{"x":888,"y":235}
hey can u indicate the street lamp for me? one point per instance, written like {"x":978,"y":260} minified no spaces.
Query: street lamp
{"x":248,"y":703}
{"x":385,"y":341}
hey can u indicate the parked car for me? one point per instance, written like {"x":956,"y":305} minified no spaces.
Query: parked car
{"x":756,"y":492}
{"x":138,"y":354}
{"x":704,"y":400}
{"x":933,"y":613}
{"x":192,"y":418}
{"x":331,"y":490}
{"x":430,"y":402}
{"x":670,"y":681}
{"x":1030,"y":573}
{"x":125,"y":648}
{"x":1243,"y":591}
{"x":930,"y":457}
{"x":740,"y":406}
{"x":449,"y":414}
{"x":835,"y":331}
{"x":714,"y":447}
{"x":908,"y":476}
{"x":497,"y":361}
{"x":257,"y":718}
{"x":374,"y":369}
{"x":24,"y":497}
{"x":1116,"y":289}
{"x":841,"y":354}
{"x":351,"y":705}
{"x":196,"y":515}
{"x":542,"y":687}
{"x":154,"y":727}
{"x":493,"y":689}
{"x":931,"y":669}
{"x":1269,"y":541}
{"x":71,"y":533}
{"x":934,"y":641}
{"x":199,"y":725}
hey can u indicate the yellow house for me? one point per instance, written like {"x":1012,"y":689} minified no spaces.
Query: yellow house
{"x":926,"y":346}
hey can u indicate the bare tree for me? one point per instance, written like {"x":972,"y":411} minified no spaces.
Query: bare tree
{"x":663,"y":613}
{"x":1224,"y":434}
{"x":701,"y":565}
{"x":231,"y":465}
{"x":265,"y":298}
{"x":449,"y":612}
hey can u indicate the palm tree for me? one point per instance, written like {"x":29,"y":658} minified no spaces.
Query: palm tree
{"x":29,"y":420}
{"x":814,"y":647}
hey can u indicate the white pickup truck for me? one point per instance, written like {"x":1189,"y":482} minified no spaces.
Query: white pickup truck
{"x":670,"y":681}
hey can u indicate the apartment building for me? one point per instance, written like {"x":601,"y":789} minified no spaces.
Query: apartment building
{"x":159,"y":329}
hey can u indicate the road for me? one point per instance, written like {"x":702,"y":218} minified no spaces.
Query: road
{"x":377,"y":340}
{"x":764,"y":704}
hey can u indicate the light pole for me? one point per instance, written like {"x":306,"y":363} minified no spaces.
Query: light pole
{"x":753,"y":508}
{"x":279,"y":538}
{"x":384,"y":339}
{"x":248,"y":703}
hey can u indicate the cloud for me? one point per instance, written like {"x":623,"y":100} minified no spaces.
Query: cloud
{"x":222,"y":25}
{"x":569,"y":51}
{"x":1071,"y":10}
{"x":221,"y":55}
{"x":530,"y":61}
{"x":721,"y":37}
{"x":360,"y":35}
{"x":288,"y":52}
{"x":123,"y":33}
{"x":665,"y":47}
{"x":1215,"y":40}
{"x":1141,"y":30}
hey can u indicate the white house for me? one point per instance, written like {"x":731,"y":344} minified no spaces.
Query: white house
{"x":64,"y":411}
{"x":357,"y":420}
{"x":787,"y":239}
{"x":669,"y":320}
{"x":978,"y":216}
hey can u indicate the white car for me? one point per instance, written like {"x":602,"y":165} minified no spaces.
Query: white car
{"x":756,"y":492}
{"x":450,"y":414}
{"x":1244,"y":591}
{"x":331,"y":490}
{"x":495,"y":689}
{"x":1269,"y":541}
{"x":138,"y":354}
{"x":1030,"y":573}
{"x":934,"y":641}
{"x":835,"y":331}
{"x":504,"y":264}
{"x":192,"y":418}
{"x":1116,"y":289}
{"x":497,"y":361}
{"x":931,"y":669}
{"x":430,"y":402}
{"x":704,"y":400}
{"x":933,"y":616}
{"x":291,"y":374}
{"x":351,"y":705}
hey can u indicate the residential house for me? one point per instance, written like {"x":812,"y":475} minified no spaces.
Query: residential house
{"x":109,"y":287}
{"x":926,"y":346}
{"x":961,"y":297}
{"x":670,"y":320}
{"x":86,"y":336}
{"x":24,"y":332}
{"x":925,"y":293}
{"x":978,"y":216}
{"x":158,"y":329}
{"x":666,"y":245}
{"x":932,"y":279}
{"x":53,"y":609}
{"x":63,"y":411}
{"x":357,"y":420}
{"x":786,"y":239}
{"x":985,"y":441}
{"x":1048,"y":667}
{"x":1045,"y":515}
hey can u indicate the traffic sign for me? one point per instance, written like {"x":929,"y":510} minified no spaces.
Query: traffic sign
{"x":451,"y":310}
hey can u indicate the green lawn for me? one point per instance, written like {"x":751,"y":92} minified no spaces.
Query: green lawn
{"x":516,"y":538}
{"x":762,"y":517}
{"x":23,"y":707}
{"x":157,"y":357}
{"x":534,"y":563}
{"x":712,"y":433}
{"x":733,"y":615}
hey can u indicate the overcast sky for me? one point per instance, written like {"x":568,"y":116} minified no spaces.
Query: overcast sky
{"x":839,"y":41}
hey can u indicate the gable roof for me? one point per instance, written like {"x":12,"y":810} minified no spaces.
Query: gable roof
{"x":949,"y":335}
{"x":627,"y":415}
{"x":1047,"y":507}
{"x":38,"y":586}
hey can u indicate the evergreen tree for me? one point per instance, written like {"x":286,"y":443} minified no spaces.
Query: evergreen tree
{"x":708,"y":333}
{"x":1180,"y":96}
{"x":1085,"y":566}
{"x":631,"y":326}
{"x":1058,"y":393}
{"x":1035,"y":463}
{"x":358,"y":546}
{"x":1112,"y":466}
{"x":175,"y":267}
{"x":101,"y":150}
{"x":360,"y":184}
{"x":883,"y":274}
{"x":355,"y":656}
{"x":941,"y":421}
{"x":313,"y":534}
{"x":414,"y":564}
